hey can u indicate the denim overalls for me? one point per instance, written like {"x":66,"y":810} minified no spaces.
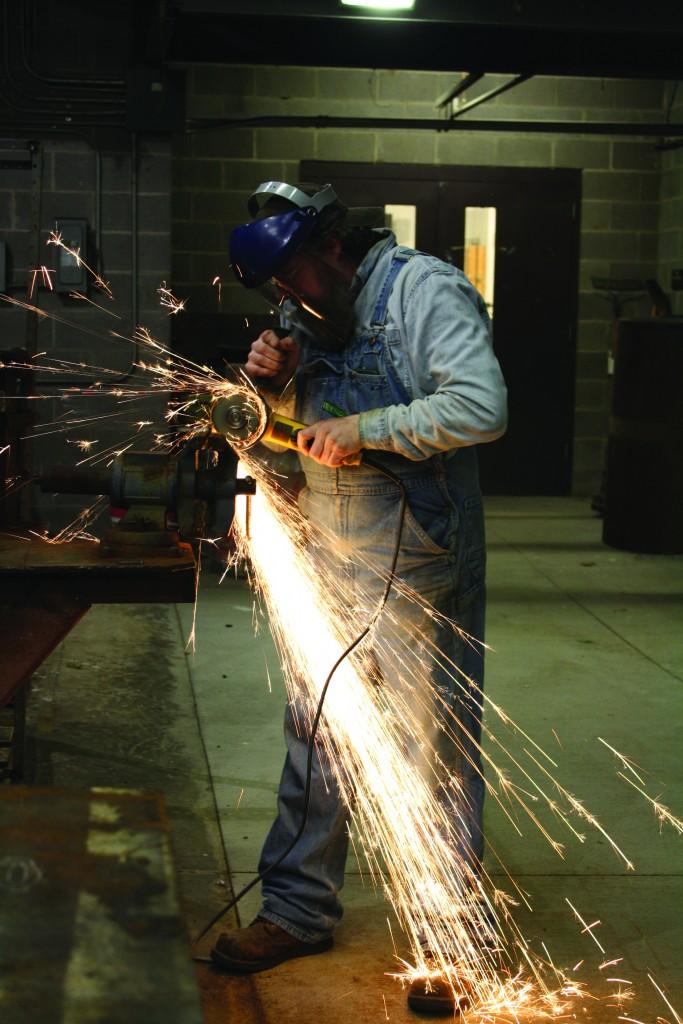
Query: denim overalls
{"x":442,"y":558}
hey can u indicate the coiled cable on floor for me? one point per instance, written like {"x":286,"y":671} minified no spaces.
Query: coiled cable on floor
{"x":367,"y":461}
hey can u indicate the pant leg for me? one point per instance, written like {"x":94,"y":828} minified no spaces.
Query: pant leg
{"x":302,"y":893}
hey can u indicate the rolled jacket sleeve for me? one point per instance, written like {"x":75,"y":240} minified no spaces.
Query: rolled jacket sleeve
{"x":448,"y":364}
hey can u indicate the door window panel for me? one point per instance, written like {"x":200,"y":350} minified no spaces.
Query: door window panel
{"x":480,"y":250}
{"x":402,"y":220}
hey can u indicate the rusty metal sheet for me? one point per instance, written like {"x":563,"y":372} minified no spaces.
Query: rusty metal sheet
{"x":28,"y":634}
{"x":79,"y":570}
{"x":90,"y":931}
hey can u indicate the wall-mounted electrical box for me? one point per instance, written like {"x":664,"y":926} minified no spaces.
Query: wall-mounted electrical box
{"x":70,"y":274}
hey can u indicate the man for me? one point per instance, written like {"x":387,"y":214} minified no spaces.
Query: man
{"x":391,"y":353}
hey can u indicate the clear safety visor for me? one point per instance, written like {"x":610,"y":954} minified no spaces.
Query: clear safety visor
{"x":314,"y":296}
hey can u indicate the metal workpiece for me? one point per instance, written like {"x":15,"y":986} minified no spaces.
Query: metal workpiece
{"x":191,"y":492}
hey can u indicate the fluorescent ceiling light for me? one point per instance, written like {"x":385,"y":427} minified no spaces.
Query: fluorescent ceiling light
{"x":381,"y":5}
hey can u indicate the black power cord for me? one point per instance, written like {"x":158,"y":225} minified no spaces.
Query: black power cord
{"x":319,"y":710}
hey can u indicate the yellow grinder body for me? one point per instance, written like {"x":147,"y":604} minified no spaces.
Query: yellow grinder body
{"x":246,"y":419}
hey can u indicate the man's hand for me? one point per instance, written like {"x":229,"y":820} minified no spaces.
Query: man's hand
{"x":329,"y":442}
{"x":272,"y":357}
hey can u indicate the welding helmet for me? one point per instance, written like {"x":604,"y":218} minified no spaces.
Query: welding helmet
{"x":281,"y":252}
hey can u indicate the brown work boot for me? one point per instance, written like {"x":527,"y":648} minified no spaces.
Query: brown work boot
{"x":260,"y":946}
{"x":438,"y":996}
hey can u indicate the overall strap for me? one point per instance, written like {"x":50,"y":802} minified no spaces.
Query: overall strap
{"x":398,"y":262}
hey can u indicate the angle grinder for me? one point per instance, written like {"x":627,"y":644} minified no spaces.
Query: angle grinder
{"x":246,"y":419}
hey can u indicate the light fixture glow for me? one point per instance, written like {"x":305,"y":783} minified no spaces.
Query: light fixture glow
{"x":381,"y":5}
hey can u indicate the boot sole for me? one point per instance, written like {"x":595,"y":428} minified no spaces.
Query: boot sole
{"x":235,"y":966}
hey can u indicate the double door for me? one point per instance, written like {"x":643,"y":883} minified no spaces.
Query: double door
{"x":516,"y":233}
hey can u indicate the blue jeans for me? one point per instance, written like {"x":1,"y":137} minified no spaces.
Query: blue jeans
{"x":442,"y":559}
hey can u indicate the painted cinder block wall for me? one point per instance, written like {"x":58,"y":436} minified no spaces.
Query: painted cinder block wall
{"x":671,"y":200}
{"x":66,"y":187}
{"x":621,"y":217}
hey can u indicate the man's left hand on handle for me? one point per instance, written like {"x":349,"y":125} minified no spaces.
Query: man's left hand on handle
{"x":330,"y":442}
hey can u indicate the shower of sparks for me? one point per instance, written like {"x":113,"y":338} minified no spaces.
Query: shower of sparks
{"x":218,"y":284}
{"x":84,"y":445}
{"x":628,"y":763}
{"x":405,"y":834}
{"x":666,"y":999}
{"x":78,"y":528}
{"x":662,"y":812}
{"x":45,"y":279}
{"x":168,"y":300}
{"x":56,"y":239}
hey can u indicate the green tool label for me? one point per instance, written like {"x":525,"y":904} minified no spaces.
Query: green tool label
{"x":333,"y":409}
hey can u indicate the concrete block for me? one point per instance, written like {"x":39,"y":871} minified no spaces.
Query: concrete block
{"x":671,"y":185}
{"x":540,"y":91}
{"x":65,"y":204}
{"x":649,"y":186}
{"x":348,"y":84}
{"x":589,"y":269}
{"x":292,"y":143}
{"x":595,"y":336}
{"x":154,"y":253}
{"x":349,"y":145}
{"x":648,"y":246}
{"x":225,"y":142}
{"x":196,"y":236}
{"x":22,"y":209}
{"x":206,"y":107}
{"x":462,"y":147}
{"x":639,"y":94}
{"x":409,"y":86}
{"x":634,"y":216}
{"x":74,"y":171}
{"x":154,"y":174}
{"x":217,"y":206}
{"x":586,"y":482}
{"x":596,"y":215}
{"x":605,"y":245}
{"x":575,"y":152}
{"x":7,"y":209}
{"x":182,"y":144}
{"x":524,"y":151}
{"x":116,"y":214}
{"x":116,"y":252}
{"x":205,"y":266}
{"x":589,"y":454}
{"x":591,"y":366}
{"x":18,"y":244}
{"x":181,"y":206}
{"x":284,"y":81}
{"x":181,"y":263}
{"x":612,"y":185}
{"x":590,"y":424}
{"x":592,"y":307}
{"x":154,"y":212}
{"x":627,"y":156}
{"x":203,"y":174}
{"x":585,"y":92}
{"x":406,"y":147}
{"x":115,"y":172}
{"x":238,"y":174}
{"x":221,"y":80}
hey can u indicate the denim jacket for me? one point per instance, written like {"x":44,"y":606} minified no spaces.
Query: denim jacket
{"x":437,"y":336}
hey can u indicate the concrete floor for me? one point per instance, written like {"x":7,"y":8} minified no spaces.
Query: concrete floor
{"x":588,"y":642}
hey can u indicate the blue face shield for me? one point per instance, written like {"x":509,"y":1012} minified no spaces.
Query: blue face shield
{"x":262,"y":247}
{"x":271,"y":256}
